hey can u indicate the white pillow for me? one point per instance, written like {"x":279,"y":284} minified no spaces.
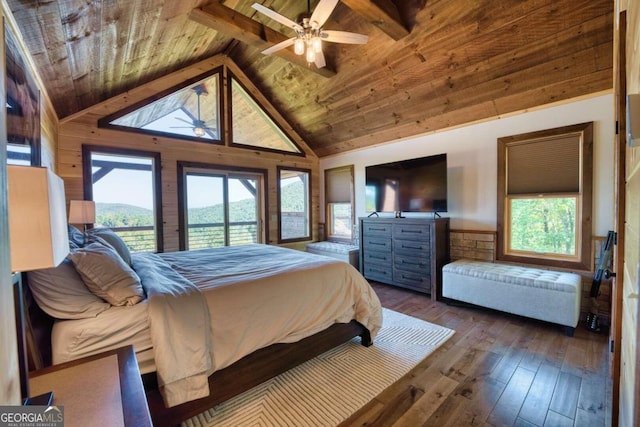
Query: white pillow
{"x":61,"y":293}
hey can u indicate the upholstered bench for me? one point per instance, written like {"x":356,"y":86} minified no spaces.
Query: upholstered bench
{"x":341,"y":251}
{"x":547,"y":295}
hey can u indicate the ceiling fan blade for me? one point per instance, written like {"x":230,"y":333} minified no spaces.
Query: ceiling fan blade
{"x":276,"y":16}
{"x":279,"y":46}
{"x":183,"y":120}
{"x":343,"y":37}
{"x":322,"y":12}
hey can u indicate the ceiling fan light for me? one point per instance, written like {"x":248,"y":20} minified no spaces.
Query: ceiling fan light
{"x":298,"y":46}
{"x":317,"y":44}
{"x":198,"y":131}
{"x":311,"y":55}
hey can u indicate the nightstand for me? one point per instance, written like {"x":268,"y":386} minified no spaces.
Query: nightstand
{"x":104,"y":389}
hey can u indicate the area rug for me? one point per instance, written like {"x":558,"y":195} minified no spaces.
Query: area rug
{"x":326,"y":390}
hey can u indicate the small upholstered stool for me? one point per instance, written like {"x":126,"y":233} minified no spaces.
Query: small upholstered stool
{"x":341,"y":251}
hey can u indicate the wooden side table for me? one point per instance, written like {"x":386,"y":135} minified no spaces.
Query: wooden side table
{"x":104,"y":389}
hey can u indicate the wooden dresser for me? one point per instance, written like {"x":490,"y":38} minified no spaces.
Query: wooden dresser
{"x":406,"y":252}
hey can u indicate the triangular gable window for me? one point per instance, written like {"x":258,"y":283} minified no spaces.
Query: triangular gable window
{"x":197,"y":111}
{"x":191,"y":111}
{"x":252,"y":126}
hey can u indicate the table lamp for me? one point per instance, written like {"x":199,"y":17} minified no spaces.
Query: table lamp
{"x":37,"y":238}
{"x":82,"y":212}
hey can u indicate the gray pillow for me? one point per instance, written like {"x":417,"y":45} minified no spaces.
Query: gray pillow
{"x":107,"y":275}
{"x":76,"y":237}
{"x":62,"y":294}
{"x":112,"y":239}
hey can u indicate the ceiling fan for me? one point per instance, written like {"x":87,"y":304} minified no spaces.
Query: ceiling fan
{"x":198,"y":125}
{"x":309,"y":32}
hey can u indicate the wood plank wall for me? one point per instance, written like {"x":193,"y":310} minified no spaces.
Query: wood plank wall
{"x":629,"y":413}
{"x":82,"y":129}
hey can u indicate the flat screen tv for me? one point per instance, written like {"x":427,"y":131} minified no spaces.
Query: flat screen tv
{"x":414,"y":185}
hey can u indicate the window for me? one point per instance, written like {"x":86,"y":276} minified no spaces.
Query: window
{"x":252,"y":126}
{"x":294,"y":204}
{"x":22,"y":105}
{"x":338,"y":190}
{"x":223,"y":207}
{"x":125,"y":185}
{"x":189,"y":111}
{"x":544,"y":197}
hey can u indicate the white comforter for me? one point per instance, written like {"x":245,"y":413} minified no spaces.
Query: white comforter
{"x":251,"y":296}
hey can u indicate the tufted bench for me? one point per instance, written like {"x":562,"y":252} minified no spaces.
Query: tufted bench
{"x":341,"y":251}
{"x":547,"y":295}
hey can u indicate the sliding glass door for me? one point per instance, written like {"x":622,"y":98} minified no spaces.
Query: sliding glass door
{"x":221,"y":208}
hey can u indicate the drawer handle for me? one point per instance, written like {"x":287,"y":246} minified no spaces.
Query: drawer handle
{"x":410,"y":263}
{"x":377,"y":244}
{"x":384,"y":258}
{"x":378,"y":271}
{"x":411,"y":231}
{"x":411,"y":247}
{"x":377,"y":229}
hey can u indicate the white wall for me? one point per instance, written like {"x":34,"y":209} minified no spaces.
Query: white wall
{"x":472,"y":161}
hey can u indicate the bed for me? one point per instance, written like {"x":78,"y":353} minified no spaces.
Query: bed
{"x":209,"y":324}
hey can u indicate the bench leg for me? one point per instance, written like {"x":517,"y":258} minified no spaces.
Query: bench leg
{"x":568,"y":330}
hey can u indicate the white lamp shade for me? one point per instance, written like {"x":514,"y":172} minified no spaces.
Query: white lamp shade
{"x":37,"y":218}
{"x":82,"y":212}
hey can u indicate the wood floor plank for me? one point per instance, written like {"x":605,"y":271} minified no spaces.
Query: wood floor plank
{"x":592,"y":400}
{"x":565,"y":395}
{"x":475,"y":411}
{"x":536,"y":404}
{"x":428,"y":403}
{"x":397,"y":408}
{"x":508,"y":406}
{"x":468,"y":403}
{"x":508,"y":365}
{"x":523,"y":423}
{"x":557,"y":420}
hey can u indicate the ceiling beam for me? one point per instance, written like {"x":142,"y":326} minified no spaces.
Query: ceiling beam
{"x":240,"y":27}
{"x":383,"y":14}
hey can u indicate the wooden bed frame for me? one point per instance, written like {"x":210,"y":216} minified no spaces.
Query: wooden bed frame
{"x":241,"y":376}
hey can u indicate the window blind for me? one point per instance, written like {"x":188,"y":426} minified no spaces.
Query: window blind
{"x":544,"y":166}
{"x":338,"y":184}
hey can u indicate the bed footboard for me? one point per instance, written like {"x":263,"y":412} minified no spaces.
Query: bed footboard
{"x":252,"y":370}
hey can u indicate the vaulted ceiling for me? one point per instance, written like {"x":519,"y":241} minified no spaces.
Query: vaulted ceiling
{"x":428,"y":65}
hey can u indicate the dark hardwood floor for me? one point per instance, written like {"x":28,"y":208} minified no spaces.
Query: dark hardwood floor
{"x":497,"y":370}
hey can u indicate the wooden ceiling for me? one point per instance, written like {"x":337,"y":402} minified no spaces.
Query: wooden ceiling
{"x":429,"y":64}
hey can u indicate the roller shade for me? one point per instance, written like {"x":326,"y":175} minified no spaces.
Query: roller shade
{"x":544,"y":166}
{"x":338,"y":184}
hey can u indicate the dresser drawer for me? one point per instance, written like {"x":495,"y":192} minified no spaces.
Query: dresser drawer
{"x":415,"y":264}
{"x":411,"y":231}
{"x":421,"y":281}
{"x":373,"y":228}
{"x":378,"y":272}
{"x":411,"y":247}
{"x":374,"y":243}
{"x":377,"y":257}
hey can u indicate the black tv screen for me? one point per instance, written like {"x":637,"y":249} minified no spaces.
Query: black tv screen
{"x":414,"y":185}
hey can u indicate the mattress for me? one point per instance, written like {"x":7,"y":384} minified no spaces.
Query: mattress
{"x":111,"y":329}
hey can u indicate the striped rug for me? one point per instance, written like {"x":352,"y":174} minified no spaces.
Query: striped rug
{"x":329,"y":388}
